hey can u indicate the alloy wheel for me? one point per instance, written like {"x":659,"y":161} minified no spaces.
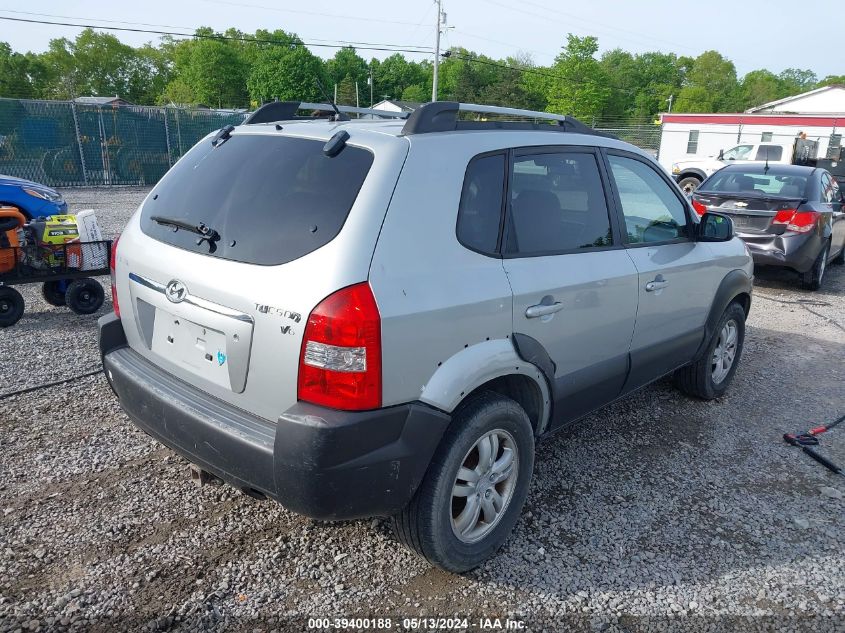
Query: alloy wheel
{"x":484,"y":485}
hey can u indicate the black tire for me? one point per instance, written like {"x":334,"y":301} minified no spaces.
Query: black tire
{"x":813,"y":278}
{"x":699,"y":379}
{"x":426,"y":524}
{"x":11,"y":306}
{"x":85,"y":296}
{"x":688,"y":184}
{"x":52,"y":293}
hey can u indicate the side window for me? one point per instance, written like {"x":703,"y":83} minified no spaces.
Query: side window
{"x":769,"y":152}
{"x":740,"y":152}
{"x":692,"y":142}
{"x":480,"y":210}
{"x":557,"y":204}
{"x":653,"y":213}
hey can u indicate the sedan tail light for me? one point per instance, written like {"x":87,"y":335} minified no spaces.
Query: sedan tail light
{"x":797,"y":221}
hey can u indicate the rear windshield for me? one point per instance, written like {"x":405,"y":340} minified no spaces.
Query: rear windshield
{"x":271,"y":199}
{"x":787,"y":186}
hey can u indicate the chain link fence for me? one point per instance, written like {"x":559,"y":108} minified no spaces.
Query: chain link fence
{"x":66,"y":144}
{"x":69,"y":144}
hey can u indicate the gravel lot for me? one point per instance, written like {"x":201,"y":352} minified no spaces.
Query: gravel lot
{"x":657,"y":513}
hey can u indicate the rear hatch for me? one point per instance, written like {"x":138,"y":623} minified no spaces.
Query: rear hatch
{"x":753,"y":201}
{"x":219,"y":270}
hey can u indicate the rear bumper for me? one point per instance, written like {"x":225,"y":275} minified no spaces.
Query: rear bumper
{"x":792,"y":250}
{"x":319,"y":462}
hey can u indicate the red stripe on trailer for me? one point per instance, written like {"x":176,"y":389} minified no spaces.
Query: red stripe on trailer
{"x":755,"y":119}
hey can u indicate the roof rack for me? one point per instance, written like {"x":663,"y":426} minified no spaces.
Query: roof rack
{"x":444,"y":116}
{"x":287,"y":111}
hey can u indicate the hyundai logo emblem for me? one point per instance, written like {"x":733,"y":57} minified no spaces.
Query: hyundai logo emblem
{"x":176,"y":291}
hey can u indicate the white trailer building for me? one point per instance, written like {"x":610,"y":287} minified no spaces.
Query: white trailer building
{"x":820,"y":114}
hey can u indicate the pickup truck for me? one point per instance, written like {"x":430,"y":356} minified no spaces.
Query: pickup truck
{"x":691,"y":173}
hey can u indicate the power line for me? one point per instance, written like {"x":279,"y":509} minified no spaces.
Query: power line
{"x":314,"y":13}
{"x":395,"y":48}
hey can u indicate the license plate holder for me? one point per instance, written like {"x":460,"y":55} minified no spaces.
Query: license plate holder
{"x":196,"y":347}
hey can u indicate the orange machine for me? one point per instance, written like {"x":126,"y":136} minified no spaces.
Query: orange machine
{"x":11,"y":219}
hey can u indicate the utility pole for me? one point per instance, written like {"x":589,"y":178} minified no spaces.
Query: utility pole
{"x":371,"y":84}
{"x":670,"y":100}
{"x":436,"y":50}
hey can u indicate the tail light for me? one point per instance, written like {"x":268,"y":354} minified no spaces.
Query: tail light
{"x":340,"y":360}
{"x":700,"y":209}
{"x":797,"y":221}
{"x":113,"y":268}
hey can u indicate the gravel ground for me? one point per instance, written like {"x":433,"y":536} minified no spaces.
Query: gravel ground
{"x":657,"y":513}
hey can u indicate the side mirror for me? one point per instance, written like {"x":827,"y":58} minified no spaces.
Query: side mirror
{"x":714,"y":227}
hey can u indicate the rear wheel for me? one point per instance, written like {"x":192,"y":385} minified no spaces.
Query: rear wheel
{"x":475,"y":486}
{"x":689,"y":184}
{"x":812,"y":279}
{"x":54,"y":292}
{"x":84,"y":296}
{"x":709,"y":377}
{"x":11,"y":306}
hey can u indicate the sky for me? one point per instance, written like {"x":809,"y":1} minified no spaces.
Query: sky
{"x":770,"y":34}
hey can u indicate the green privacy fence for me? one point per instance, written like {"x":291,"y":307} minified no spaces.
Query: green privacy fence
{"x":67,"y":144}
{"x":62,"y":143}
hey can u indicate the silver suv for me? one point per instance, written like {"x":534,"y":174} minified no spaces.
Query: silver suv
{"x":380,"y":317}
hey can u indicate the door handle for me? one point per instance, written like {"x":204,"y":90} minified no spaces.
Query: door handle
{"x":543,"y":310}
{"x":657,"y":283}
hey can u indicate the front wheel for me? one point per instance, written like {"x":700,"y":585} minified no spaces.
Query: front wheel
{"x":689,"y":184}
{"x":475,"y":486}
{"x":812,"y":279}
{"x":710,"y":376}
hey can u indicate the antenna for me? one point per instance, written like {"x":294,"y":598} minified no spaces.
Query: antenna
{"x":338,"y":115}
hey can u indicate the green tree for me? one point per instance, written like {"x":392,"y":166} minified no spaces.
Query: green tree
{"x":348,"y":65}
{"x":513,"y":87}
{"x":580,"y":85}
{"x":286,"y":73}
{"x":795,"y":80}
{"x":832,"y":80}
{"x":417,"y":92}
{"x":98,"y":64}
{"x":15,"y":79}
{"x":394,"y":74}
{"x":759,"y":87}
{"x":710,"y":85}
{"x":211,"y":71}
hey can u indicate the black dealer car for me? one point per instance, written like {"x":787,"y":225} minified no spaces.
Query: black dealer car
{"x":788,"y":215}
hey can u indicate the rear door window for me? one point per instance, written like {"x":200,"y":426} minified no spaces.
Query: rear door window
{"x":271,"y":199}
{"x":557,"y":204}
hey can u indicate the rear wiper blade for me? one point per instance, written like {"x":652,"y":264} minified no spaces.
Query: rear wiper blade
{"x":205,"y":232}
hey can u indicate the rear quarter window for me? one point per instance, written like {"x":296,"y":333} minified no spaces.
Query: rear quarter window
{"x":272,"y":199}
